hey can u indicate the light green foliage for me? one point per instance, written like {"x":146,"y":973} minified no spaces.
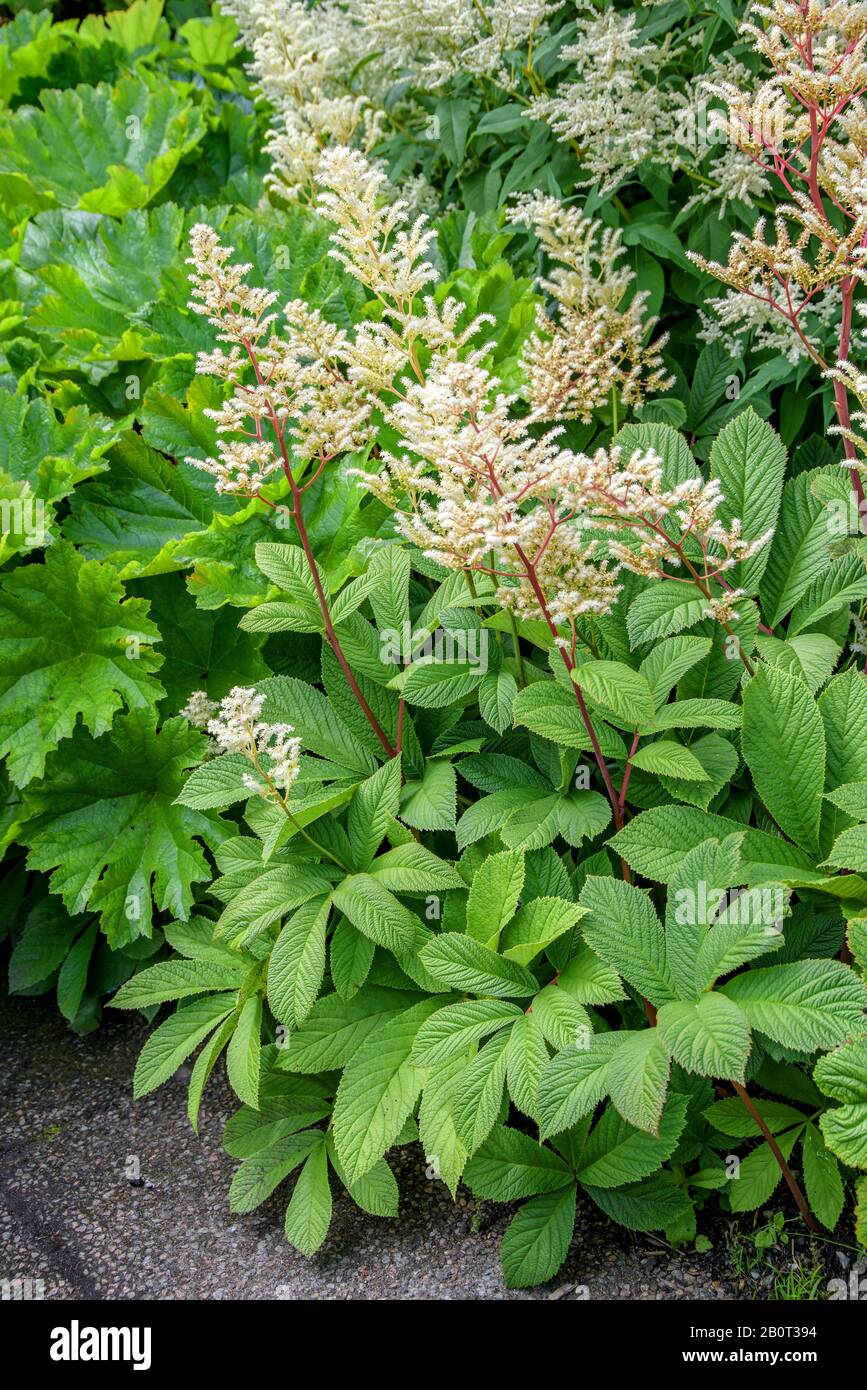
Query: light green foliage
{"x":543,"y":904}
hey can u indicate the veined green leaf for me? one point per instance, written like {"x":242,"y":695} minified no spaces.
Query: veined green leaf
{"x":243,"y":1055}
{"x":173,"y":1041}
{"x":297,"y":963}
{"x":464,"y":964}
{"x":806,"y":1005}
{"x":308,"y":1214}
{"x":710,"y":1036}
{"x":455,"y":1027}
{"x":378,"y":1089}
{"x":537,"y":1240}
{"x":623,"y":928}
{"x":620,"y":692}
{"x":493,"y":897}
{"x":784,"y":745}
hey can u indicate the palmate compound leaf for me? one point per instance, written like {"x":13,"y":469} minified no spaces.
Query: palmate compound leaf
{"x":623,"y":928}
{"x":105,"y":824}
{"x":70,"y":645}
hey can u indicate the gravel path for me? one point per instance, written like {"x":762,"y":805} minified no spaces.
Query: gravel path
{"x":70,"y":1215}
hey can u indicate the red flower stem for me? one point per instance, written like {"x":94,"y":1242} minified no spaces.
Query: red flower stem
{"x":331,"y":635}
{"x":628,"y":771}
{"x":298,"y":517}
{"x":533,"y":579}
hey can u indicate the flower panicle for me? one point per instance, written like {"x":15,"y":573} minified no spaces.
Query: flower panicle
{"x":235,"y":725}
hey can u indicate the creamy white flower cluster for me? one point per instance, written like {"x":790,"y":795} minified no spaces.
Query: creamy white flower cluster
{"x":735,"y":317}
{"x":235,"y":726}
{"x":477,"y":482}
{"x":374,"y":241}
{"x":806,"y":125}
{"x":853,"y":380}
{"x":290,"y":387}
{"x":612,"y":108}
{"x":436,"y":40}
{"x":596,"y":344}
{"x":634,"y":494}
{"x":310,"y":63}
{"x":477,"y":490}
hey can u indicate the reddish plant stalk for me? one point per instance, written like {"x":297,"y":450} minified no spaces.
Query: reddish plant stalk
{"x":791,"y":1180}
{"x":624,"y":786}
{"x":322,"y":599}
{"x":820,"y":121}
{"x":533,"y":579}
{"x":331,"y":635}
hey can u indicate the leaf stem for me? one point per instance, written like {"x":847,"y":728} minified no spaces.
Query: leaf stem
{"x":516,"y":644}
{"x":791,"y":1181}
